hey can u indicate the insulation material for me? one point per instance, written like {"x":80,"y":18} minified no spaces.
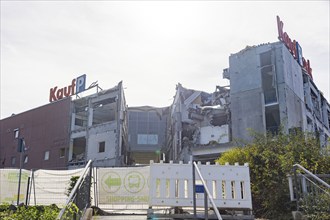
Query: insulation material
{"x":218,"y":134}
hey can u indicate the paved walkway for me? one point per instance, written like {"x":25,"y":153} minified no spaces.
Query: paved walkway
{"x":120,"y":217}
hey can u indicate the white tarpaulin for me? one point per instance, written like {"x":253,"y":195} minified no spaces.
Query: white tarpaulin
{"x":51,"y":186}
{"x":123,"y":185}
{"x":9,"y":185}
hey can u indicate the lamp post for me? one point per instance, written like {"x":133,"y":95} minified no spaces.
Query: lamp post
{"x":20,"y":148}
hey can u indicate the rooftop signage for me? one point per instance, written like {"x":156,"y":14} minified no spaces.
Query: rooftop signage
{"x":294,"y":47}
{"x":77,"y":85}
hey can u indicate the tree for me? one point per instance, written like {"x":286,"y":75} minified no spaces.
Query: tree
{"x":270,"y":160}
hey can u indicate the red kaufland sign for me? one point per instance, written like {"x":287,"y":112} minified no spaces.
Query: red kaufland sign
{"x":293,"y":47}
{"x":77,"y":86}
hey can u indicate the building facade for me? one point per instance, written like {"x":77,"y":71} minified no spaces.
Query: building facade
{"x":66,"y":133}
{"x":45,"y":131}
{"x":99,"y":129}
{"x":269,"y":90}
{"x":146,"y":133}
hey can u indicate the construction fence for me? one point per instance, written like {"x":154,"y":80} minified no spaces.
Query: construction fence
{"x":159,"y":184}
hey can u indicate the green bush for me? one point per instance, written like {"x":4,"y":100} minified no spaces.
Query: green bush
{"x":316,"y":207}
{"x":270,"y":160}
{"x":10,"y":212}
{"x":72,"y":183}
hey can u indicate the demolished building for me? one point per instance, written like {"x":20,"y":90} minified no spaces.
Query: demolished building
{"x":270,"y":90}
{"x":99,"y":129}
{"x":198,"y":125}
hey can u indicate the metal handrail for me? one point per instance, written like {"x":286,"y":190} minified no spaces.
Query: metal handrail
{"x":315,"y":185}
{"x":75,"y":188}
{"x":296,"y":185}
{"x":313,"y":175}
{"x":208,"y":192}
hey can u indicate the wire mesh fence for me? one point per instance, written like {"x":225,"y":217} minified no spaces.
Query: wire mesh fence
{"x":40,"y":187}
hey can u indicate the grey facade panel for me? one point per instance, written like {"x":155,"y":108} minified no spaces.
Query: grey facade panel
{"x":244,"y":72}
{"x":247,"y":112}
{"x":291,"y":108}
{"x":289,"y":72}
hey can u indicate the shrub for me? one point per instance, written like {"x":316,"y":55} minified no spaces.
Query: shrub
{"x":7,"y":212}
{"x":72,"y":183}
{"x":316,"y":207}
{"x":270,"y":160}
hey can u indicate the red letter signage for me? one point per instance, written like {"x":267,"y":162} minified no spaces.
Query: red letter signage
{"x":293,"y":47}
{"x":56,"y":94}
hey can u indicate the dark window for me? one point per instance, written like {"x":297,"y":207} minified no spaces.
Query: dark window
{"x":62,"y":152}
{"x":101,"y":147}
{"x":79,"y":122}
{"x":265,"y":58}
{"x":272,"y":114}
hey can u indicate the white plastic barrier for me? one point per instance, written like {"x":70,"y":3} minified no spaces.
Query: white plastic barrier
{"x":171,"y":185}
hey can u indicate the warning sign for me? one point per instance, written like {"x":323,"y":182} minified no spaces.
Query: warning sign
{"x":134,"y":182}
{"x":111,"y":182}
{"x":124,"y":185}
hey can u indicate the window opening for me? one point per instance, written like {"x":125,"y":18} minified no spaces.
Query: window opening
{"x":104,"y":111}
{"x":16,"y":133}
{"x":62,"y":152}
{"x":78,"y":150}
{"x":272,"y":114}
{"x":46,"y":157}
{"x":102,"y":147}
{"x":13,"y":160}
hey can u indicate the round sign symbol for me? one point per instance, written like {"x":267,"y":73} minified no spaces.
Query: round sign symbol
{"x":134,"y":182}
{"x":111,"y":182}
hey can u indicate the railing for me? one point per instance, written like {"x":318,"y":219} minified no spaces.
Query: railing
{"x":308,"y":183}
{"x":80,"y":197}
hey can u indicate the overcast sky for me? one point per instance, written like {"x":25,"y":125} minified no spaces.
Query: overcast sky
{"x":150,"y":45}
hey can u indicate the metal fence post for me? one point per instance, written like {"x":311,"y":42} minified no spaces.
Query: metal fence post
{"x":27,"y":191}
{"x":194,"y":186}
{"x":205,"y":206}
{"x":296,"y":187}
